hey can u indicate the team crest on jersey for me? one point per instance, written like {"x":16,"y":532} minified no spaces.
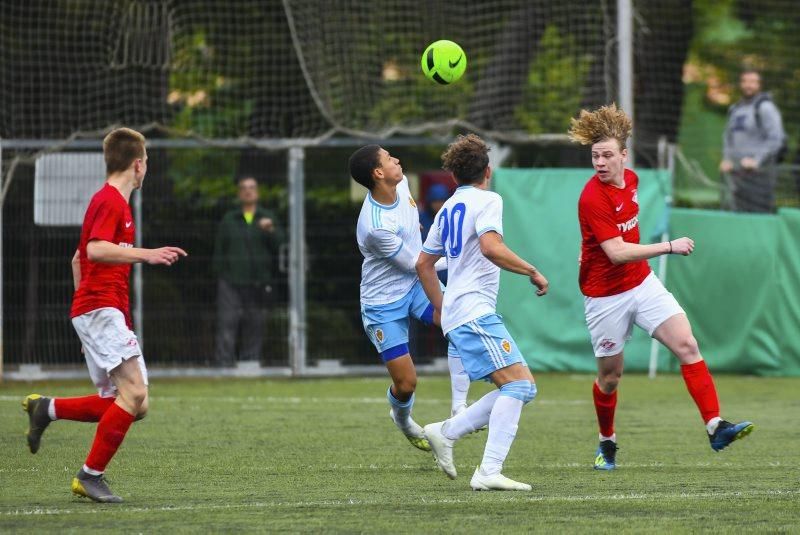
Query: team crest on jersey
{"x":608,"y":344}
{"x":379,"y":335}
{"x":506,"y":345}
{"x":636,"y":196}
{"x":411,"y":202}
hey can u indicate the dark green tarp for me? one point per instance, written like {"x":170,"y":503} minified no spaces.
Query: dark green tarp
{"x":740,"y":289}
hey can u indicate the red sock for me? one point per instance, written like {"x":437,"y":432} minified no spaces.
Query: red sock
{"x":604,"y":405}
{"x":701,"y":386}
{"x":110,"y":433}
{"x":83,"y":409}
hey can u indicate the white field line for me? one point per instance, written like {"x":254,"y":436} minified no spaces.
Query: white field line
{"x":37,"y":511}
{"x":328,"y":467}
{"x":297,"y":400}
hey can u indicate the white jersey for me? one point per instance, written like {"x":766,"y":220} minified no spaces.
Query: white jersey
{"x":389,"y":239}
{"x":472,"y":280}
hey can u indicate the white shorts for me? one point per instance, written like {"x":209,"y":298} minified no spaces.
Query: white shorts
{"x":610,"y":319}
{"x":107,"y":342}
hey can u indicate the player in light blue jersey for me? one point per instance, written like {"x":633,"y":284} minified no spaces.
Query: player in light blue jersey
{"x":388,"y":235}
{"x":468,"y":230}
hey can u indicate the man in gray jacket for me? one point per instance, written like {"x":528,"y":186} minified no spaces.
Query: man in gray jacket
{"x":753,"y":141}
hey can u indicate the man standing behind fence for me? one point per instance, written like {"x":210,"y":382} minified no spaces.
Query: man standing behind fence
{"x":248,"y":239}
{"x":753,"y":144}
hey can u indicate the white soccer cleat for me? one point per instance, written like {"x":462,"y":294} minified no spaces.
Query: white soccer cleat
{"x":413,"y":432}
{"x":442,"y":448}
{"x":481,"y":481}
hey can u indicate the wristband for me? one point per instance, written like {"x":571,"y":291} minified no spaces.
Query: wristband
{"x":670,"y":246}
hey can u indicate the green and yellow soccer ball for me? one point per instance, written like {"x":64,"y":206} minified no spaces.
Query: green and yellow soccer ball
{"x":444,"y":62}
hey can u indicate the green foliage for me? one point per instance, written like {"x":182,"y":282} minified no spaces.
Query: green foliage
{"x":430,"y":99}
{"x":555,"y":83}
{"x":332,"y":334}
{"x":208,"y":101}
{"x":700,"y":139}
{"x":729,"y":38}
{"x":717,"y":25}
{"x":205,"y":177}
{"x":312,"y":456}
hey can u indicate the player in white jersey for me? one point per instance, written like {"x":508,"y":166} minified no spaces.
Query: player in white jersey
{"x":388,"y":236}
{"x":468,"y":230}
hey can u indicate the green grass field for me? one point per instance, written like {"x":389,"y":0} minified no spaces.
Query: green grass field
{"x":322,"y":455}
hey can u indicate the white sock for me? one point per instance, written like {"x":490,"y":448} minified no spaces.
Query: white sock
{"x":711,"y":425}
{"x":91,"y":472}
{"x":612,"y":438}
{"x":472,"y":418}
{"x":503,"y":425}
{"x":402,"y":409}
{"x":51,"y":409}
{"x":459,"y":381}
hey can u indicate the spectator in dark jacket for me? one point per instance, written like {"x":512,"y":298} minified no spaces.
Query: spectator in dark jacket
{"x":753,"y":140}
{"x":247,"y":241}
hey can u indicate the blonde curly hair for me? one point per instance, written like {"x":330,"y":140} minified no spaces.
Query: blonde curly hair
{"x":606,"y":122}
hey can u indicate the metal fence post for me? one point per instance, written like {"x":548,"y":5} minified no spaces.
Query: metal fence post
{"x":2,"y":203}
{"x":625,"y":64}
{"x":297,"y":261}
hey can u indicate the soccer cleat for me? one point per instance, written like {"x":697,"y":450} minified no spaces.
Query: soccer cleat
{"x":442,"y":448}
{"x":481,"y":481}
{"x":727,"y":432}
{"x":93,"y":487}
{"x":606,"y":455}
{"x":413,"y":433}
{"x":38,"y":419}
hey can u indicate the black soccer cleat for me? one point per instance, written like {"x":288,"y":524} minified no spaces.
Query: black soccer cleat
{"x":38,"y":419}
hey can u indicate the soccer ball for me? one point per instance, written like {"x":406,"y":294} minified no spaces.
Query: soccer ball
{"x":444,"y":62}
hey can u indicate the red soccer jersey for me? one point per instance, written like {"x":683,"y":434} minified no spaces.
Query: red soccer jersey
{"x":605,"y":212}
{"x":107,"y":218}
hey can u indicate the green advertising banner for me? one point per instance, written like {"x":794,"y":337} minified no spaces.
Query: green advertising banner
{"x":740,"y":288}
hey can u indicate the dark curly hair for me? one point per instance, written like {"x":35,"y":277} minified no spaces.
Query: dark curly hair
{"x":467,"y":158}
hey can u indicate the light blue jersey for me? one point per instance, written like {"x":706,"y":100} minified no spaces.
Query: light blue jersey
{"x":389,"y":239}
{"x":472,"y":280}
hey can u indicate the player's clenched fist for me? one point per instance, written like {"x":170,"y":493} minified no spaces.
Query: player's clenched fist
{"x":165,"y":255}
{"x":539,"y":280}
{"x":683,"y":246}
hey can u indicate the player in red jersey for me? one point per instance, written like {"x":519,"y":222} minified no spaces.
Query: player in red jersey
{"x":620,"y":289}
{"x":100,"y":314}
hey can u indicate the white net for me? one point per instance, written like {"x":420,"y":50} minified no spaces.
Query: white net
{"x":298,"y":68}
{"x":258,"y":71}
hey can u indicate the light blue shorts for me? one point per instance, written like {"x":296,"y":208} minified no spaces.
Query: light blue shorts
{"x":387,"y":325}
{"x":485,"y":346}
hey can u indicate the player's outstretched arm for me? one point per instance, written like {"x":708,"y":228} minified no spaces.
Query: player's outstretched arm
{"x":622,"y":252}
{"x":108,"y":253}
{"x":494,"y":248}
{"x":426,"y":270}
